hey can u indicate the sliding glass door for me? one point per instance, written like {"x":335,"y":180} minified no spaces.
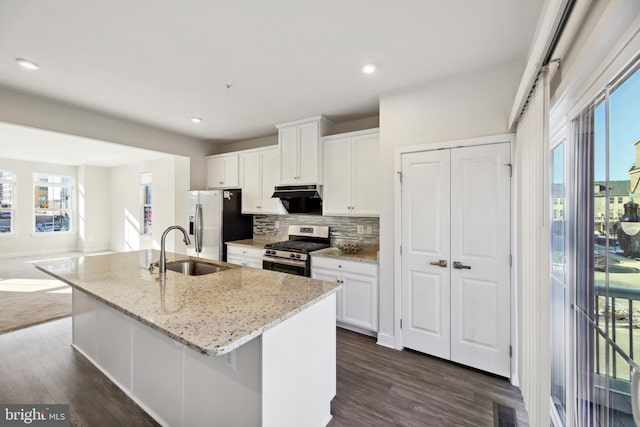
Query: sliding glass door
{"x":606,"y":248}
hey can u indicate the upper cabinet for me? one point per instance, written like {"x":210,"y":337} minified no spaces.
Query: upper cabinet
{"x":300,"y":151}
{"x":351,"y":173}
{"x":259,"y":171}
{"x":223,"y":171}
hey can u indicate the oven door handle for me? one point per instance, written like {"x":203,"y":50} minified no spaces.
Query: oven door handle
{"x":285,"y":261}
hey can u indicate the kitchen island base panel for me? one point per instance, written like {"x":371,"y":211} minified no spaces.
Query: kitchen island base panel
{"x":285,"y":377}
{"x":300,"y":380}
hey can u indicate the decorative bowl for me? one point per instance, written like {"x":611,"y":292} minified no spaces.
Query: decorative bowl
{"x":349,"y":248}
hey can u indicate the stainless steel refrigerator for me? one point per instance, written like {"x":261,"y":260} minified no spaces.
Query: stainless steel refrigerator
{"x":215,"y":217}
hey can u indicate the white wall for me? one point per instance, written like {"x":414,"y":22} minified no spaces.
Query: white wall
{"x":93,"y":209}
{"x":24,"y":241}
{"x":43,"y":113}
{"x":465,"y":106}
{"x":169,"y":198}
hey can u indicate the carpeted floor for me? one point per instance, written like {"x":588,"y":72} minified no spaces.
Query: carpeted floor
{"x":28,"y":296}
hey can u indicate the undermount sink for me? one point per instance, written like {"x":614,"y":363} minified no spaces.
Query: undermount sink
{"x":194,"y":268}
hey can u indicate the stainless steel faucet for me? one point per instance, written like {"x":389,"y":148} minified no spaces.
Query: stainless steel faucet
{"x":162,"y":264}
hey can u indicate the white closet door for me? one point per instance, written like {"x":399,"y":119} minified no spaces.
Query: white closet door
{"x":480,"y":230}
{"x":425,"y":241}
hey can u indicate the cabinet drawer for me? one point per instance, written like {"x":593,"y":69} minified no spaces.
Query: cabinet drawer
{"x":245,"y":251}
{"x":337,"y":264}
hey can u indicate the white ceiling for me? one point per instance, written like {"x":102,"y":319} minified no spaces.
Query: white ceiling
{"x":159,"y":62}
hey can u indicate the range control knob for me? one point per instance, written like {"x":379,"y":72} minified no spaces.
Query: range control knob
{"x":298,"y":256}
{"x":292,"y":255}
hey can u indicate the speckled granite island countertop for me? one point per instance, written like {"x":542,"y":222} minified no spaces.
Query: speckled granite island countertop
{"x":213,"y":314}
{"x":256,"y":243}
{"x":369,"y":253}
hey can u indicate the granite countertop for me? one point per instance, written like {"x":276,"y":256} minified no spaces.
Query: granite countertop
{"x":369,"y":253}
{"x":256,"y":243}
{"x":212,"y":314}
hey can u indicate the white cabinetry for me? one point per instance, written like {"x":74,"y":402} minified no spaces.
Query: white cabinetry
{"x":351,"y":174}
{"x":154,"y":352}
{"x":222,"y":171}
{"x":259,"y":175}
{"x":357,"y":300}
{"x":300,"y":151}
{"x":247,"y":256}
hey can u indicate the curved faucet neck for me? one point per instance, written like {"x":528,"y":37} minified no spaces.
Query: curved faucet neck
{"x":162,"y":264}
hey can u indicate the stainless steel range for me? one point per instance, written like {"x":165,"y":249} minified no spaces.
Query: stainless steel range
{"x":292,"y":256}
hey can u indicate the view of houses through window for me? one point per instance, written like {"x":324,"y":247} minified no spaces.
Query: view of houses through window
{"x":607,"y":253}
{"x":7,"y":196}
{"x":52,"y":203}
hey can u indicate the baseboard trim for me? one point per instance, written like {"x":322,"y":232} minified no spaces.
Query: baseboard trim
{"x":386,"y":340}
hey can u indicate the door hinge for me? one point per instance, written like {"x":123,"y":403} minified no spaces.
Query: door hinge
{"x":510,"y":169}
{"x":510,"y":351}
{"x":400,"y":323}
{"x":400,"y":249}
{"x":510,"y":260}
{"x":400,"y":176}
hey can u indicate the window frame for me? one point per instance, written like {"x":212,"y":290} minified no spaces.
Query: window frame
{"x":12,"y":209}
{"x":69,"y":212}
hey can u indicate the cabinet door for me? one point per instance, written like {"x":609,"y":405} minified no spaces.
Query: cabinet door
{"x":85,"y":323}
{"x":308,"y":144}
{"x":269,"y":171}
{"x":360,"y":301}
{"x":330,"y":276}
{"x":230,"y":179}
{"x":223,"y":172}
{"x":288,"y":141}
{"x":364,"y":186}
{"x":337,"y":177}
{"x":251,"y":191}
{"x":215,"y":173}
{"x":155,"y":353}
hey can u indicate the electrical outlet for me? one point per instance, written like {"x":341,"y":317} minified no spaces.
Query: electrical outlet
{"x":230,"y":359}
{"x":360,"y":229}
{"x":369,"y":229}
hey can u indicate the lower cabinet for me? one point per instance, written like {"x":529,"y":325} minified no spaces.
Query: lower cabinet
{"x":357,"y":300}
{"x":247,"y":256}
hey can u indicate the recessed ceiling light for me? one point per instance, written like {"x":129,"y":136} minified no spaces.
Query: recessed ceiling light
{"x":29,"y":65}
{"x":196,"y":119}
{"x":369,"y":69}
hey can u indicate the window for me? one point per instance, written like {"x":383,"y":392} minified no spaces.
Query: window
{"x":52,"y":203}
{"x":145,"y":195}
{"x":558,"y":282}
{"x":7,"y":196}
{"x":607,"y":253}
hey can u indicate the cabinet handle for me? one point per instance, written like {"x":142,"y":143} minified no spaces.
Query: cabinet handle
{"x":439,"y":263}
{"x":339,"y":266}
{"x":221,"y":182}
{"x":259,"y":207}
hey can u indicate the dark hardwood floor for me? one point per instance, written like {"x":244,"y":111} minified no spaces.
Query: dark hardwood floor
{"x":379,"y":386}
{"x":376,"y":386}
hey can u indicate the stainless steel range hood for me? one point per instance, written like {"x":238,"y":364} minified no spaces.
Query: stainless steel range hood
{"x":300,"y":199}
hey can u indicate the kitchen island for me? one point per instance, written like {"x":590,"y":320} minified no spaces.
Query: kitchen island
{"x":241,"y":347}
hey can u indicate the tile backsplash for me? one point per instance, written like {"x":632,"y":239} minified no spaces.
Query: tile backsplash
{"x":342,"y":228}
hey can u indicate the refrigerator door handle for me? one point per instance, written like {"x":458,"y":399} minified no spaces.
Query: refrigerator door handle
{"x":198,"y":233}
